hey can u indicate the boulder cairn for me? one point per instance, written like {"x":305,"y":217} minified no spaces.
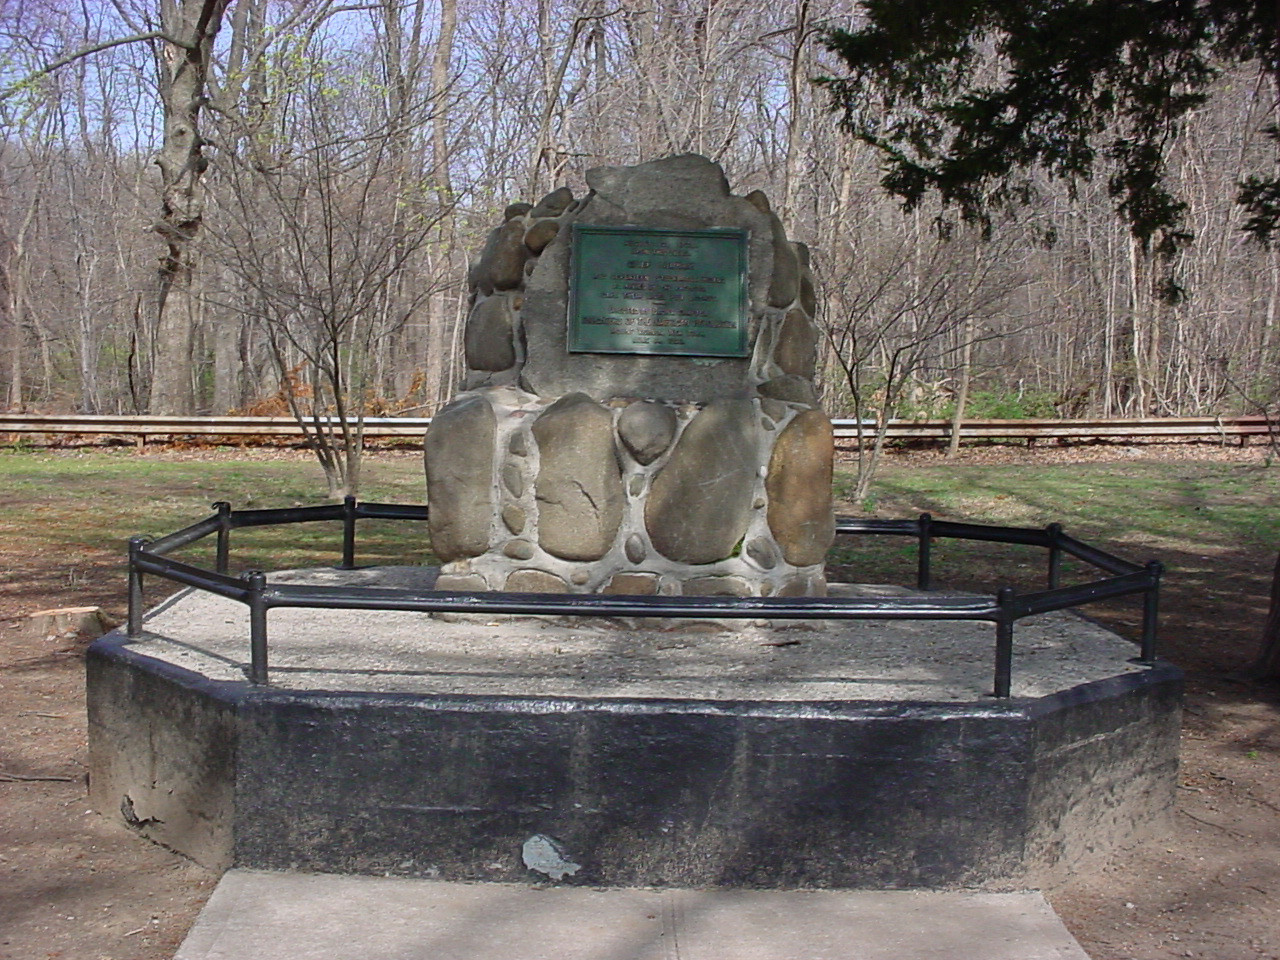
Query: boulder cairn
{"x":622,"y":473}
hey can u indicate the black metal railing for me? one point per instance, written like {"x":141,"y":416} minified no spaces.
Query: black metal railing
{"x":1003,"y":608}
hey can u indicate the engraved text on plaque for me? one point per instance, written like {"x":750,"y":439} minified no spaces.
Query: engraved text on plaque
{"x":672,"y":292}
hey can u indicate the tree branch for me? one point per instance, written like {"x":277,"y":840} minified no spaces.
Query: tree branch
{"x":88,"y":52}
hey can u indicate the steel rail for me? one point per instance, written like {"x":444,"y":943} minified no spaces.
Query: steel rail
{"x":612,"y":605}
{"x":144,"y":427}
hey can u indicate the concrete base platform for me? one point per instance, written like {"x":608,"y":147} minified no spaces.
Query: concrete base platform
{"x":631,"y":754}
{"x":321,"y":917}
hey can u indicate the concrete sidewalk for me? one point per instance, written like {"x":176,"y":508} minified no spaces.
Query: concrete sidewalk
{"x":256,"y":915}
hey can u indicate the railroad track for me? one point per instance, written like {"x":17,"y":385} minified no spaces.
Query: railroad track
{"x":144,"y":428}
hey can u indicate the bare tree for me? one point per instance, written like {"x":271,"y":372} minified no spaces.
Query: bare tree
{"x":320,"y":233}
{"x":190,"y":28}
{"x":897,"y":313}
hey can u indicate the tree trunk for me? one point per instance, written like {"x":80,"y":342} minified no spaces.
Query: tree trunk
{"x":226,"y":365}
{"x":1267,"y":666}
{"x":962,"y":388}
{"x":184,"y":72}
{"x":10,"y":303}
{"x":440,"y":61}
{"x":797,"y":83}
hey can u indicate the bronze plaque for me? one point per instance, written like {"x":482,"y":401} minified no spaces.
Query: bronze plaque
{"x":671,"y":292}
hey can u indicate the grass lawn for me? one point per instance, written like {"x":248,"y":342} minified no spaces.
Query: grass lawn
{"x":1190,"y":515}
{"x":96,"y":500}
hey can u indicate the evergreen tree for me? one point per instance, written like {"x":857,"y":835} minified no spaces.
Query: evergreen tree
{"x":966,"y":98}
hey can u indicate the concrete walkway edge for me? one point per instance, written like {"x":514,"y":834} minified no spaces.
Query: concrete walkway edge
{"x":301,"y":916}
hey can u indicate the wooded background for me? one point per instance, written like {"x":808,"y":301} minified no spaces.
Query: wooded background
{"x":264,"y":205}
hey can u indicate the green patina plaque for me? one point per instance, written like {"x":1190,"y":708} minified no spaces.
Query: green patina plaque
{"x":671,"y":292}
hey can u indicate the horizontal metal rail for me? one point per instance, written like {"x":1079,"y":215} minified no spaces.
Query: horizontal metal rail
{"x":1050,"y":536}
{"x":616,"y":605}
{"x":1046,"y":600}
{"x":180,"y":538}
{"x":1132,"y":429}
{"x":1136,"y":430}
{"x":1003,"y":609}
{"x":160,"y":426}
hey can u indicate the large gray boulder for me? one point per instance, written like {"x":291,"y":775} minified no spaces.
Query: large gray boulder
{"x":489,"y":340}
{"x":459,"y":455}
{"x":700,"y":502}
{"x":799,"y":489}
{"x":501,"y":265}
{"x":579,"y":487}
{"x":797,"y":350}
{"x":646,"y":429}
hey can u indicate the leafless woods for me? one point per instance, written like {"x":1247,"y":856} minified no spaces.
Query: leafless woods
{"x":269,"y":206}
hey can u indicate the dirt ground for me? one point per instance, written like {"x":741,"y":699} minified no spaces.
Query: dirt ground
{"x":75,"y":885}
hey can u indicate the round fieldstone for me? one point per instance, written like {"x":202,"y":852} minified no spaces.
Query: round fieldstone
{"x":553,"y":204}
{"x":518,"y":445}
{"x":808,"y":297}
{"x":513,"y":479}
{"x":799,"y":489}
{"x":763,"y":552}
{"x":459,"y":462}
{"x":775,"y":410}
{"x":502,"y":263}
{"x":802,"y":254}
{"x":632,"y":584}
{"x":635,"y":486}
{"x":535,"y":581}
{"x":664,"y":184}
{"x":518,"y":549}
{"x":489,"y":342}
{"x":804,"y":586}
{"x":634,"y":548}
{"x":461,"y":583}
{"x":513,"y":517}
{"x":784,"y":286}
{"x":717,"y":587}
{"x":791,"y":388}
{"x":796,"y":351}
{"x":579,"y":483}
{"x":516,"y":210}
{"x":646,"y":430}
{"x":760,"y":200}
{"x":700,"y":502}
{"x":540,"y":234}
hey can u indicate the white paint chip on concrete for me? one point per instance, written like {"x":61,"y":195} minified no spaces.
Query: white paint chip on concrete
{"x":546,"y":856}
{"x":253,"y":915}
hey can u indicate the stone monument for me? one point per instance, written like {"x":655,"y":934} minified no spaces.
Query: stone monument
{"x":639,"y":413}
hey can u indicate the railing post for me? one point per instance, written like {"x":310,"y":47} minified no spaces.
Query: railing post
{"x":348,"y":532}
{"x":1054,"y":530}
{"x":924,"y":575}
{"x":1151,"y":613}
{"x":257,"y":583}
{"x":223,"y":559}
{"x":1004,"y":643}
{"x":135,"y":587}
